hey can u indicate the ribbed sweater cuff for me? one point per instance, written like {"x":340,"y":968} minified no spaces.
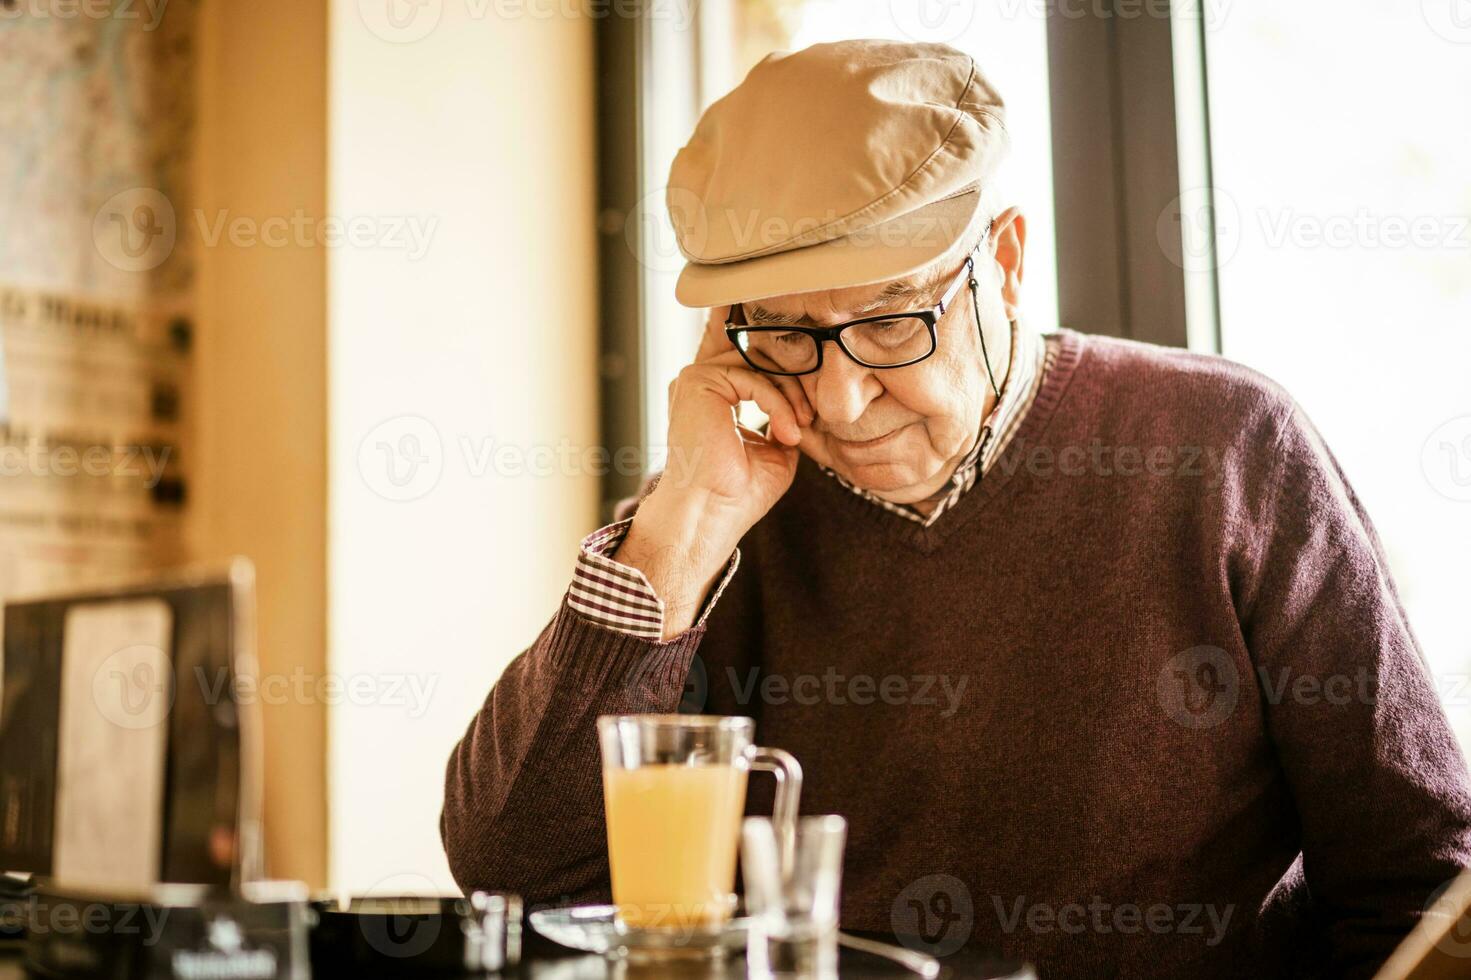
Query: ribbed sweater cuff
{"x":594,"y":657}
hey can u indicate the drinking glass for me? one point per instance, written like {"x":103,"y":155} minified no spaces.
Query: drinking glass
{"x":674,"y":789}
{"x":794,"y":912}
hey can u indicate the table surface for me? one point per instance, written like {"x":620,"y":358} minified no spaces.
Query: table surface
{"x":545,"y":960}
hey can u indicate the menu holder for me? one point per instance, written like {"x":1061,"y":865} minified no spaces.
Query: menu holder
{"x":125,"y":758}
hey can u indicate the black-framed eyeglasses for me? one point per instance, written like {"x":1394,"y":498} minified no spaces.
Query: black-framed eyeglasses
{"x":889,"y":340}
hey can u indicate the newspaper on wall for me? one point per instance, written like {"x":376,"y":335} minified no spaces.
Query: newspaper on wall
{"x":96,"y":290}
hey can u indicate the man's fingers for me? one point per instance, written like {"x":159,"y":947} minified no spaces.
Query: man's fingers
{"x":797,"y":395}
{"x":752,"y":437}
{"x":716,"y":348}
{"x":738,"y":385}
{"x":791,"y":388}
{"x":759,"y":444}
{"x":757,"y":388}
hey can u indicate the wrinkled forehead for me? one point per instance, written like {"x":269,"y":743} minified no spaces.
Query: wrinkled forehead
{"x":828,"y":306}
{"x":825,"y":307}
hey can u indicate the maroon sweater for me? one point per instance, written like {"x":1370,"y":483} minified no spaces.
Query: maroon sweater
{"x":1145,"y":703}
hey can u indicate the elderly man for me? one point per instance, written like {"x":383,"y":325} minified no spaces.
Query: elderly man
{"x":1090,"y":641}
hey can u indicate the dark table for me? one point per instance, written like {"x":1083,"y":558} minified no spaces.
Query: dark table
{"x":545,"y":960}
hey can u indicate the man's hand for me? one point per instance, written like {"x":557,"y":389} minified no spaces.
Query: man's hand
{"x":720,"y":477}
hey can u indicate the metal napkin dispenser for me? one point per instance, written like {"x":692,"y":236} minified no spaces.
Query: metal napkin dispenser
{"x":174,"y":932}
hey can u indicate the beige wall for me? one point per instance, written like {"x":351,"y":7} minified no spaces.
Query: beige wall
{"x":461,"y":313}
{"x":479,"y":338}
{"x":260,"y":473}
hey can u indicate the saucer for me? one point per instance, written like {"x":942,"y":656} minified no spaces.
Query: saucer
{"x":596,"y":929}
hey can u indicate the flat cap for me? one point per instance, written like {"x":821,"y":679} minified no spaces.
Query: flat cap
{"x":838,"y":165}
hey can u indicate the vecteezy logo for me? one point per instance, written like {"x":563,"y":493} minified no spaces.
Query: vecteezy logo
{"x":134,"y":687}
{"x":1199,"y":687}
{"x":409,"y":926}
{"x":1445,"y":911}
{"x":135,"y":229}
{"x":1445,"y":459}
{"x":402,"y":458}
{"x":645,"y":681}
{"x":696,"y":688}
{"x":932,"y":20}
{"x":933,"y":915}
{"x":401,"y":21}
{"x":649,"y":229}
{"x":1451,"y":19}
{"x":1200,"y":230}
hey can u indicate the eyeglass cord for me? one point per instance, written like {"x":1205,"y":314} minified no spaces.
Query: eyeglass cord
{"x":975,"y":307}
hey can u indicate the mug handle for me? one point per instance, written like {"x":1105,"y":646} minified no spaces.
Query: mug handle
{"x":788,"y":772}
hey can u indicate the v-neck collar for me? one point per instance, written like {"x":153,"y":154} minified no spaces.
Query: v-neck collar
{"x":997,"y":477}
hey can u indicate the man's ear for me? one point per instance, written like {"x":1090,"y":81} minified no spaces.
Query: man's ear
{"x":1009,"y":241}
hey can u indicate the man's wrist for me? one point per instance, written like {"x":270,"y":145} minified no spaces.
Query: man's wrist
{"x":681,"y":542}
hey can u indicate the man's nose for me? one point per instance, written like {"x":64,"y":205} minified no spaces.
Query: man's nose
{"x":842,"y":389}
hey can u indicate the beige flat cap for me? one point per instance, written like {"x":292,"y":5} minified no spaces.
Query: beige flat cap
{"x":838,"y":165}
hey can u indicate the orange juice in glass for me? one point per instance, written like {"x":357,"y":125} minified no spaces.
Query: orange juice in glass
{"x":674,"y":790}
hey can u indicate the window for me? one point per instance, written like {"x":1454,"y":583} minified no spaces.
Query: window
{"x":1341,"y":151}
{"x":1008,"y":41}
{"x":1284,"y":183}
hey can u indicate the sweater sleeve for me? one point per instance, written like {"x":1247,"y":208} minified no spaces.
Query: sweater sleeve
{"x":1381,"y":787}
{"x":523,"y":797}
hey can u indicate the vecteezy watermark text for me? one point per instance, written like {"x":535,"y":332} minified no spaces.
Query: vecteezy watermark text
{"x":41,"y":917}
{"x":134,"y":688}
{"x":408,"y":233}
{"x":1200,"y":687}
{"x":403,"y":458}
{"x":1102,"y":918}
{"x":412,"y":692}
{"x":149,"y":11}
{"x":137,"y":229}
{"x":832,"y":687}
{"x":407,"y":21}
{"x":1099,"y":458}
{"x":43,"y":458}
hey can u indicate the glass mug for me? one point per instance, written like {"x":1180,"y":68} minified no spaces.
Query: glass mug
{"x":674,"y":793}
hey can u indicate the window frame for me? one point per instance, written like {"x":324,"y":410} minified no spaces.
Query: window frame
{"x":1121,"y":168}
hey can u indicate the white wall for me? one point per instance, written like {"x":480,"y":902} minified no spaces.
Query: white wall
{"x":461,"y":143}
